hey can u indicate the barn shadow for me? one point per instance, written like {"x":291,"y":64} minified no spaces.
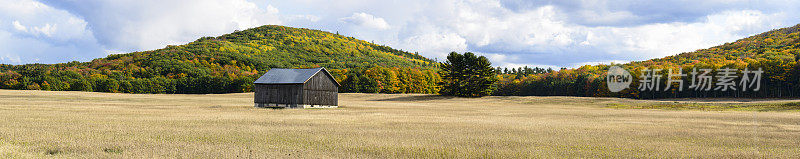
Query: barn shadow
{"x":416,"y":98}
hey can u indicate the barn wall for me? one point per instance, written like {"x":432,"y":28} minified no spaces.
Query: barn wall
{"x":279,"y":94}
{"x":320,"y":89}
{"x":261,"y":95}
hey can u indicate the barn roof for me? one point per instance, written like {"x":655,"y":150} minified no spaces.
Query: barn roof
{"x":291,"y":76}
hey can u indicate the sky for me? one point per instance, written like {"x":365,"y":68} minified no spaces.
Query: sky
{"x":511,"y":33}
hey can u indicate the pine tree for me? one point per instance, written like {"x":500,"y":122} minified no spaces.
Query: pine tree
{"x":467,"y":75}
{"x":451,"y":72}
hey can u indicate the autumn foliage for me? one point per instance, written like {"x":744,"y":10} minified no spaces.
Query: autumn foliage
{"x":776,"y":52}
{"x":230,"y":63}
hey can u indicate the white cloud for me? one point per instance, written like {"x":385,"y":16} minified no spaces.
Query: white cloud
{"x":366,"y":20}
{"x":604,"y":17}
{"x":564,"y":33}
{"x":19,"y":27}
{"x":34,"y":32}
{"x":36,"y":19}
{"x":132,"y":25}
{"x":438,"y":45}
{"x":659,"y":40}
{"x":47,"y":30}
{"x":544,"y":35}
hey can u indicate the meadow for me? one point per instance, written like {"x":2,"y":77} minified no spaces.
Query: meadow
{"x":41,"y":124}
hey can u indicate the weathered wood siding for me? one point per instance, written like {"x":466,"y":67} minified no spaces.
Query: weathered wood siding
{"x":290,"y":94}
{"x":320,"y":90}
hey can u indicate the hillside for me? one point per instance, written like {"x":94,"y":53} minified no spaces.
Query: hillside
{"x":224,"y":64}
{"x":780,"y":44}
{"x":776,"y":52}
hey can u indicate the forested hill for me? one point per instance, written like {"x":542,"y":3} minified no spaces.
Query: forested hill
{"x":223,"y":64}
{"x":776,"y":52}
{"x":776,"y":45}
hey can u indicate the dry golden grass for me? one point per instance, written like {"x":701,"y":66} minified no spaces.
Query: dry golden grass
{"x":37,"y":124}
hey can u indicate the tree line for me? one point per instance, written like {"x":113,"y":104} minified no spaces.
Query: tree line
{"x":776,"y":52}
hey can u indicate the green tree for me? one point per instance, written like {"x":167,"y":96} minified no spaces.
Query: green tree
{"x":80,"y":85}
{"x":368,"y":85}
{"x":467,"y":75}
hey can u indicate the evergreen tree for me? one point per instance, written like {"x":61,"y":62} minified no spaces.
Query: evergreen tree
{"x":467,"y":75}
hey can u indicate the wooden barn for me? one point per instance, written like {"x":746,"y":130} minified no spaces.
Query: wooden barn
{"x":297,"y":88}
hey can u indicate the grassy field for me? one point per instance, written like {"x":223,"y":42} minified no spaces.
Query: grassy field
{"x":38,"y":124}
